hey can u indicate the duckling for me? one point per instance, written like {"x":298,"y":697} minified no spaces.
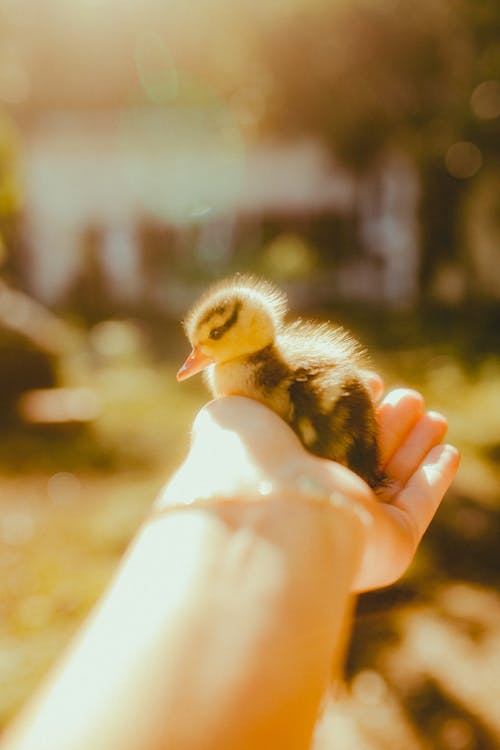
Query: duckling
{"x":309,"y":373}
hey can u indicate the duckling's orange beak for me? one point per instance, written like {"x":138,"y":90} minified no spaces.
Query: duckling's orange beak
{"x":196,"y":362}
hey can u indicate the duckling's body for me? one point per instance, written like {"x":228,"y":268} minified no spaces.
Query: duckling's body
{"x":308,"y":373}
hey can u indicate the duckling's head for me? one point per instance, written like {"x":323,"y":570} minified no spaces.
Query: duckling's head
{"x":235,"y":318}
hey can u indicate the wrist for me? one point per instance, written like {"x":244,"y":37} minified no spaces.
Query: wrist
{"x":299,"y":487}
{"x":271,"y":576}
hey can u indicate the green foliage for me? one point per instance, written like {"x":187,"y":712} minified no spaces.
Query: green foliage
{"x":364,"y":75}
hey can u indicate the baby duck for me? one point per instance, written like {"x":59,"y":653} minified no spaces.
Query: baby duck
{"x":309,"y":373}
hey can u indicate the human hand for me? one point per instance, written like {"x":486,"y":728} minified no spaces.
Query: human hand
{"x":241,"y":613}
{"x":239,"y":445}
{"x":420,"y":470}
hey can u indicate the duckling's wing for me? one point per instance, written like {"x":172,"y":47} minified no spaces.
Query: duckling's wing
{"x":332,"y":411}
{"x":317,"y":346}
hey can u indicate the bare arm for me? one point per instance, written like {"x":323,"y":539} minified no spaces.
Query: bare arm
{"x":220,"y":627}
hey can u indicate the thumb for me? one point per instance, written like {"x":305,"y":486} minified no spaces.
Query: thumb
{"x":236,"y":443}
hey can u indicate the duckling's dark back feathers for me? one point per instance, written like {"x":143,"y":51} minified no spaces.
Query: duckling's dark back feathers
{"x":347,"y":432}
{"x":312,"y":360}
{"x":270,"y":367}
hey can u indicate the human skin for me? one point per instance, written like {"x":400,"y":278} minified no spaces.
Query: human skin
{"x":223,"y":623}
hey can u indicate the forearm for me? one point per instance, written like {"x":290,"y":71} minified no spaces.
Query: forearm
{"x":218,"y":632}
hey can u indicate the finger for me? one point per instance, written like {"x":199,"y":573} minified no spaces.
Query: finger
{"x":424,"y":435}
{"x":398,"y":528}
{"x":397,"y":414}
{"x":375,"y":384}
{"x":236,"y":428}
{"x":420,"y":498}
{"x":236,"y":442}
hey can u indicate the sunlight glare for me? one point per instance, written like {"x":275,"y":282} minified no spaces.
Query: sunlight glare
{"x":183,"y":159}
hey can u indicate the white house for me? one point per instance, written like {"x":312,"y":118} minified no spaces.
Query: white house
{"x":117,"y":169}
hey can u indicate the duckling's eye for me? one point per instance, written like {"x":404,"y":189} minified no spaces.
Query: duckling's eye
{"x":216,"y":333}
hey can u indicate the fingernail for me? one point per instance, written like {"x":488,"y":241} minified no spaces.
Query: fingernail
{"x":448,"y":454}
{"x":436,"y":415}
{"x":398,"y":394}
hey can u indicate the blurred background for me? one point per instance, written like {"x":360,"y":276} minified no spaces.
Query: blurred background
{"x":348,"y":149}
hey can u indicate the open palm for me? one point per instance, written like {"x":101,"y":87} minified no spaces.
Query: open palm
{"x":238,"y":444}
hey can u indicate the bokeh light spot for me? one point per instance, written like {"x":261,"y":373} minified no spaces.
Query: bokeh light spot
{"x":17,"y":527}
{"x":63,"y":488}
{"x":201,"y":211}
{"x":59,"y":405}
{"x":289,"y":256}
{"x":463,"y":160}
{"x":369,"y":687}
{"x":457,"y":734}
{"x":485,"y":100}
{"x":156,"y":68}
{"x":115,"y":338}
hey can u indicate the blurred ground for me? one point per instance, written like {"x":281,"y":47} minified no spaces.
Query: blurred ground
{"x":424,"y":664}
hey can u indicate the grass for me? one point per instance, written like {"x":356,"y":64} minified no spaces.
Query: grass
{"x":71,"y":501}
